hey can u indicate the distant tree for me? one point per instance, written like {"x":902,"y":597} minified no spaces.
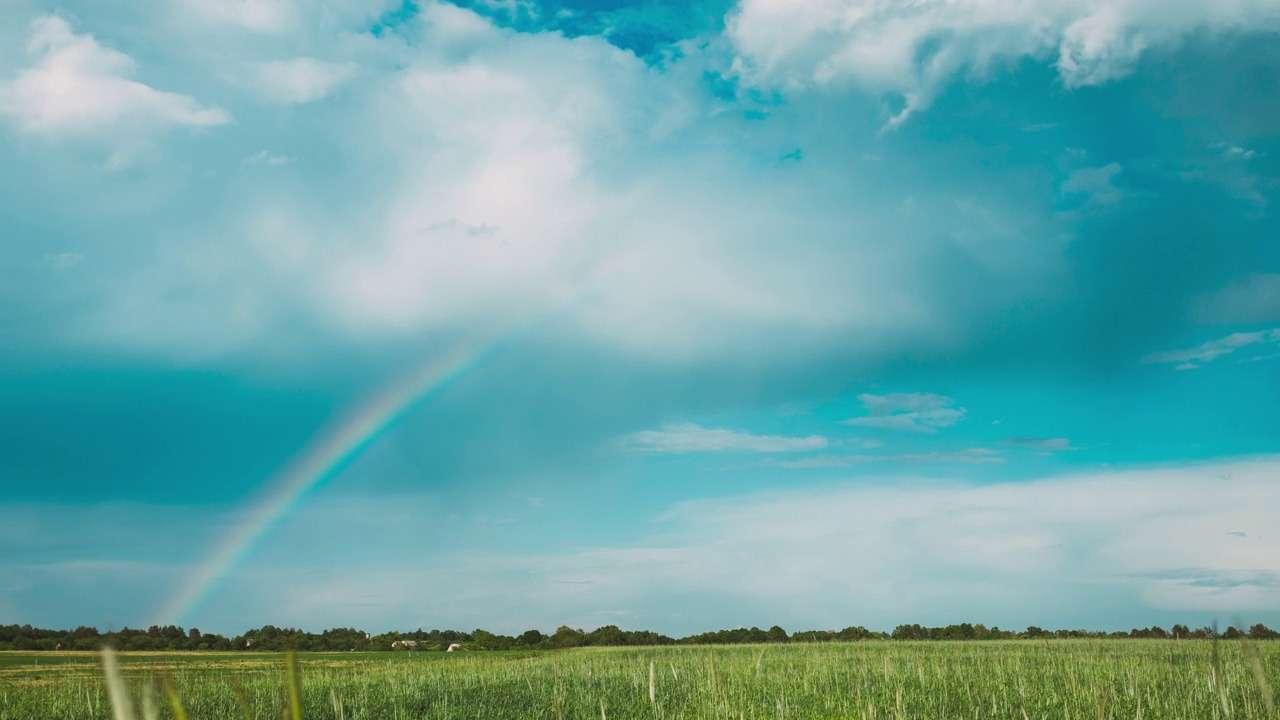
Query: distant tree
{"x":567,"y":637}
{"x":776,"y":635}
{"x":1262,"y":632}
{"x":530,"y":638}
{"x":910,"y":632}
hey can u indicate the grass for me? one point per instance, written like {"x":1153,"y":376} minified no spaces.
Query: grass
{"x":1022,"y":680}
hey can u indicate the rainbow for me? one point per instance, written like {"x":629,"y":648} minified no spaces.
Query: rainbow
{"x":324,"y":457}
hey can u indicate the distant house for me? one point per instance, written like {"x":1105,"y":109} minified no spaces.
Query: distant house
{"x":454,"y":646}
{"x":404,"y":644}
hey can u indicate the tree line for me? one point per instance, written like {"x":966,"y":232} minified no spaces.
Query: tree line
{"x":270,"y":638}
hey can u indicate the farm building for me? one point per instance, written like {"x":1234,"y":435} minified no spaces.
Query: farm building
{"x":404,"y":644}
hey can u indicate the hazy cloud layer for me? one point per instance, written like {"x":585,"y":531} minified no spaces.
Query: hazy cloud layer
{"x":971,"y":456}
{"x":1253,"y":298}
{"x":296,"y":81}
{"x":1192,"y":358}
{"x":1040,"y":443}
{"x":914,"y":412}
{"x":695,"y":438}
{"x":1165,"y":544}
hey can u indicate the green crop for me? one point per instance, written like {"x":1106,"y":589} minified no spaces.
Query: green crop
{"x":1025,"y":680}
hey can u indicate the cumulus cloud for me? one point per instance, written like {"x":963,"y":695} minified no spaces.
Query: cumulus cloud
{"x":915,"y":412}
{"x":484,"y":177}
{"x":1192,"y":358}
{"x":297,"y":81}
{"x":688,"y":438}
{"x":912,"y":48}
{"x":532,"y":175}
{"x":79,"y":87}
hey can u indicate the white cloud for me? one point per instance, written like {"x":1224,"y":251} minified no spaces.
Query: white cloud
{"x":915,"y":412}
{"x":1098,"y":48}
{"x":1192,"y":358}
{"x":533,"y":175}
{"x":687,"y":438}
{"x":261,"y":16}
{"x":79,"y":87}
{"x":1095,"y":549}
{"x":484,"y":177}
{"x":297,"y":81}
{"x":912,"y":48}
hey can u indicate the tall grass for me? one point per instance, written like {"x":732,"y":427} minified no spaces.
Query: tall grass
{"x":1030,"y":680}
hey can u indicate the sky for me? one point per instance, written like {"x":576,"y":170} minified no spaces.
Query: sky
{"x":513,"y":314}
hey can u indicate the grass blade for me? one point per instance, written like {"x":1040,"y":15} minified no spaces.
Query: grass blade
{"x":293,"y":676}
{"x":121,"y":703}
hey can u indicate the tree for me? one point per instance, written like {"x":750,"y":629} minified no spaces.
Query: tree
{"x":531,"y":638}
{"x":1262,"y":632}
{"x":566,"y":637}
{"x":609,"y":635}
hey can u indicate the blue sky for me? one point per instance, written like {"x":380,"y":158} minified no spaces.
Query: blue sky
{"x":843,"y":312}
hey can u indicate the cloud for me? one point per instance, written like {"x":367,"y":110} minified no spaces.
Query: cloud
{"x":1098,"y":48}
{"x":689,"y":438}
{"x":1192,"y":358}
{"x":1098,"y":184}
{"x":1252,"y":298}
{"x":914,"y":412}
{"x":1040,"y":443}
{"x":78,"y":87}
{"x":1099,"y":549}
{"x":63,"y":260}
{"x":477,"y":177}
{"x":484,"y":177}
{"x":1234,"y":152}
{"x":261,"y":16}
{"x":1102,"y":550}
{"x":971,"y":456}
{"x":914,"y":48}
{"x":297,"y":81}
{"x":265,"y":158}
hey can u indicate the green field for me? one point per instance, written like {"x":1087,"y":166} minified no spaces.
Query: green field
{"x":1017,"y":679}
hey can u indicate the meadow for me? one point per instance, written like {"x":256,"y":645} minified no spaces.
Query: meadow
{"x":1024,"y":680}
